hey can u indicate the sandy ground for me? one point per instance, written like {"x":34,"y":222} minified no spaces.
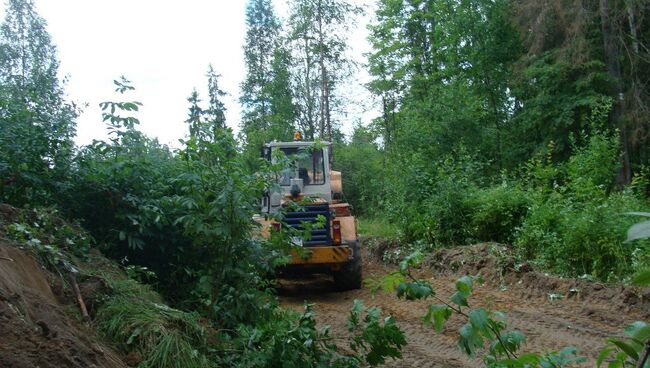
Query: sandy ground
{"x":588,"y":314}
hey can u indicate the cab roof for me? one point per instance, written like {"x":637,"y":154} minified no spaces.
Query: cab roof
{"x":295,"y":144}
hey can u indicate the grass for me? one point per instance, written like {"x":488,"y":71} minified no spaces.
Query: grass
{"x":377,"y":227}
{"x":135,"y":319}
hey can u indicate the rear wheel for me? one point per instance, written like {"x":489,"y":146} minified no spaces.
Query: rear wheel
{"x":349,"y":277}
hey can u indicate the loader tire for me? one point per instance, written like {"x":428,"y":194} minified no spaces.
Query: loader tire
{"x":350,"y":275}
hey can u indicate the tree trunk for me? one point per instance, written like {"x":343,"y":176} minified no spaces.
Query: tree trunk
{"x":308,"y":101}
{"x":614,"y":70}
{"x":631,"y":18}
{"x":323,"y":75}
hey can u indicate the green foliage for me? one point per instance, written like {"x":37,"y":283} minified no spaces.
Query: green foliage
{"x":377,"y":227}
{"x":363,"y":166}
{"x":377,"y":339}
{"x":317,"y":34}
{"x":628,"y":352}
{"x":430,"y":201}
{"x":287,"y":341}
{"x":576,"y":238}
{"x":52,"y":239}
{"x":268,"y":112}
{"x":640,"y":230}
{"x":498,"y":211}
{"x":36,"y":122}
{"x":575,"y":226}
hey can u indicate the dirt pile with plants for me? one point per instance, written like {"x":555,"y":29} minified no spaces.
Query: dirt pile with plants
{"x":551,"y":312}
{"x":39,"y":322}
{"x":497,"y":265}
{"x":63,"y":304}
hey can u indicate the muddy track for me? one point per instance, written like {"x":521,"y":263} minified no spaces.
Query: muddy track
{"x":584,"y":323}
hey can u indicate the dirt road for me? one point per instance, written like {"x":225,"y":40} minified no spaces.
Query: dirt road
{"x":585,"y":316}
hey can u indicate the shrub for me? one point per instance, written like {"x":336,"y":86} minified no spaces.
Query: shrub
{"x":582,"y":238}
{"x":498,"y":211}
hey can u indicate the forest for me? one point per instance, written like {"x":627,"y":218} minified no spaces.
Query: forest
{"x":522,"y":123}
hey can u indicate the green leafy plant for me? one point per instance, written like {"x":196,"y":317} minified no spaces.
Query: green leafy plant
{"x":631,"y":351}
{"x":298,"y":342}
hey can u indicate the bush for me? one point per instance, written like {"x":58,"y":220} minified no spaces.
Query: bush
{"x":431,"y":201}
{"x":498,"y":211}
{"x":576,"y":226}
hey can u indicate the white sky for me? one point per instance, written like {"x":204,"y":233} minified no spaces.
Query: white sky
{"x":164,"y":47}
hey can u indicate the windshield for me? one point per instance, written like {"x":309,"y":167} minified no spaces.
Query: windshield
{"x":306,"y":164}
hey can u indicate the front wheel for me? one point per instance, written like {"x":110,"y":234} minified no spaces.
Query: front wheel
{"x":349,"y":276}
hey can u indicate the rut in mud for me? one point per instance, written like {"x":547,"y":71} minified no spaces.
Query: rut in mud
{"x":587,"y":314}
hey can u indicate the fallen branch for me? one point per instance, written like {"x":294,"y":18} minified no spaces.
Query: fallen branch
{"x":7,"y":259}
{"x":80,"y":300}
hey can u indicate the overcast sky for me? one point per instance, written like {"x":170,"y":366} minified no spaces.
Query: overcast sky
{"x":164,"y":47}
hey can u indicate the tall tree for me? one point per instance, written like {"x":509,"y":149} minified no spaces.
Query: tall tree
{"x":318,"y":32}
{"x":195,"y":113}
{"x":441,"y":70}
{"x":216,"y":112}
{"x":283,"y":110}
{"x":266,"y":97}
{"x":37,"y":123}
{"x":206,"y":124}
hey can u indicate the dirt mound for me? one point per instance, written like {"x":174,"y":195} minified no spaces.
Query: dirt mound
{"x":38,"y":330}
{"x":497,"y":266}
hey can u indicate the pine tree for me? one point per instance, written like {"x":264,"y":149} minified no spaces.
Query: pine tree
{"x":216,"y":112}
{"x":195,"y":114}
{"x":205,"y":124}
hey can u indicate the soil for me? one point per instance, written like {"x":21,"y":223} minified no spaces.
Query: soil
{"x":552,"y":312}
{"x":37,"y":323}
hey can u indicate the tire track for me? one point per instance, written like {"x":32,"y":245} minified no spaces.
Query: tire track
{"x":547,"y":325}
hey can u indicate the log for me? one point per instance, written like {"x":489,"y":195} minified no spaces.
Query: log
{"x":80,"y":300}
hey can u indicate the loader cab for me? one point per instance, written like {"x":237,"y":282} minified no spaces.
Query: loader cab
{"x":307,"y":173}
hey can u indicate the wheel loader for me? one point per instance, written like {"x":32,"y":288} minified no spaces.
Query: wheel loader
{"x":307,"y":202}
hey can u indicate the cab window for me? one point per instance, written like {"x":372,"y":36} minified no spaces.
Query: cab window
{"x":306,"y":163}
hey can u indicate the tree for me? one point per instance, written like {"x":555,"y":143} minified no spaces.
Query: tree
{"x":318,"y":33}
{"x":194,"y":114}
{"x":205,"y":124}
{"x":266,"y":97}
{"x":216,"y":112}
{"x":442,"y":70}
{"x":283,"y":110}
{"x":37,"y":123}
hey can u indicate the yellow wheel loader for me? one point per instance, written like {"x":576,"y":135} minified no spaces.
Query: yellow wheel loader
{"x":308,"y":199}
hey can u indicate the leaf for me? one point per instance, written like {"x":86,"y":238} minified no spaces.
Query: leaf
{"x":419,"y":289}
{"x":464,"y":284}
{"x":135,"y":334}
{"x":469,"y":339}
{"x":628,"y":349}
{"x":459,"y":298}
{"x":478,"y":318}
{"x":440,"y":314}
{"x":603,"y":355}
{"x":412,"y":260}
{"x":638,"y":231}
{"x":635,"y":327}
